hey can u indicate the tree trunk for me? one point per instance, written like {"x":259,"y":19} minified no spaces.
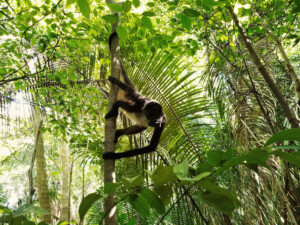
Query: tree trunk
{"x":110,"y":128}
{"x":264,"y":72}
{"x":65,"y":209}
{"x":42,"y":180}
{"x":290,"y":68}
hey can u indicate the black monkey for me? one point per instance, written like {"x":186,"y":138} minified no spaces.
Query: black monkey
{"x":141,"y":110}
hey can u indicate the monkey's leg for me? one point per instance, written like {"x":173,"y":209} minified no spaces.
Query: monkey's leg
{"x":121,"y":85}
{"x":125,"y":105}
{"x":128,"y":131}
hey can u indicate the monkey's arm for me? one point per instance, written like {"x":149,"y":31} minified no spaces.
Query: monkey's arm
{"x":139,"y":151}
{"x":128,"y":131}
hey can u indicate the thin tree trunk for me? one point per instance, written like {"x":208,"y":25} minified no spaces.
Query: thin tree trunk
{"x":30,"y":178}
{"x":42,"y":179}
{"x":70,"y":187}
{"x":65,"y":210}
{"x":110,"y":128}
{"x":290,"y":68}
{"x":264,"y":72}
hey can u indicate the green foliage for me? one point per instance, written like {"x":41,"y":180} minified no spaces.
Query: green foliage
{"x":122,"y":33}
{"x":87,"y":203}
{"x":110,"y":187}
{"x":147,"y":22}
{"x":126,"y":6}
{"x":110,"y":18}
{"x":154,"y":201}
{"x":181,"y":170}
{"x":186,"y":21}
{"x":217,"y":197}
{"x":134,"y":182}
{"x":191,"y":12}
{"x":285,"y":135}
{"x":140,"y":204}
{"x":136,"y":3}
{"x":27,"y":209}
{"x":163,"y":175}
{"x":115,"y":7}
{"x":84,"y":7}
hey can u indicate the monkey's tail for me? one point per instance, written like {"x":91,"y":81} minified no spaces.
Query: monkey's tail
{"x":124,"y":73}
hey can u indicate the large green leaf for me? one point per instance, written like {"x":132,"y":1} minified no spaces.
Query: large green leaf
{"x":115,"y":7}
{"x":213,"y":188}
{"x":110,"y":18}
{"x":87,"y":203}
{"x":110,"y":187}
{"x":165,"y":193}
{"x":162,"y":175}
{"x":122,"y":33}
{"x":126,"y":6}
{"x":26,"y":209}
{"x":217,"y":158}
{"x":133,"y":182}
{"x":285,"y":135}
{"x":139,"y":204}
{"x":219,"y":201}
{"x":147,"y":22}
{"x":84,"y":7}
{"x":191,"y":12}
{"x":186,"y":21}
{"x":136,"y":3}
{"x":154,"y":201}
{"x":293,"y":157}
{"x":255,"y":156}
{"x":181,"y":170}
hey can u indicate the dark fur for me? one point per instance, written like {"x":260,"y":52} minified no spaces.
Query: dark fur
{"x":139,"y":105}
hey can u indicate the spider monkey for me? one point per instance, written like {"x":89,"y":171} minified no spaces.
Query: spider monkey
{"x":139,"y":109}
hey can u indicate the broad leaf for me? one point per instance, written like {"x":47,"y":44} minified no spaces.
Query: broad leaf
{"x":191,"y":12}
{"x":122,"y":33}
{"x":148,"y":13}
{"x":213,"y":188}
{"x":221,"y":202}
{"x":110,"y":187}
{"x":136,"y":3}
{"x":154,"y":201}
{"x":293,"y":157}
{"x":186,"y":21}
{"x":26,"y":209}
{"x":84,"y":7}
{"x":110,"y":18}
{"x":115,"y":7}
{"x":126,"y":6}
{"x":217,"y":158}
{"x":165,"y":193}
{"x":133,"y":182}
{"x":181,"y":170}
{"x":285,"y":135}
{"x":87,"y":203}
{"x":163,"y":175}
{"x":139,"y":204}
{"x":147,"y":22}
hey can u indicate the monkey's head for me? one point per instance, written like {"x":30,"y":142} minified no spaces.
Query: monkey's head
{"x":154,"y":114}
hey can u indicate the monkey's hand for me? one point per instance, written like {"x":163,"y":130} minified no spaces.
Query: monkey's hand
{"x":111,"y":114}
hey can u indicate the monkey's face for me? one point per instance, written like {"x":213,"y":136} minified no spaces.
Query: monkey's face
{"x":154,"y":114}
